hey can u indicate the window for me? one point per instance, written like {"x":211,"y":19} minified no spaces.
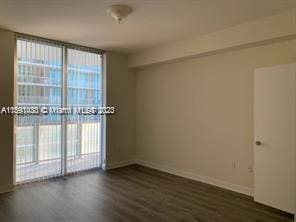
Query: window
{"x":25,"y":149}
{"x":42,"y":79}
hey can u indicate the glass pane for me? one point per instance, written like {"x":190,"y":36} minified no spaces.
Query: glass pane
{"x":38,"y":138}
{"x":25,"y":145}
{"x":84,"y":90}
{"x":89,"y":138}
{"x":39,"y":146}
{"x":49,"y":142}
{"x":72,"y":140}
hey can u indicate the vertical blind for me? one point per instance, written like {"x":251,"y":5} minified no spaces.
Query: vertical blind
{"x":53,"y":145}
{"x":83,"y":90}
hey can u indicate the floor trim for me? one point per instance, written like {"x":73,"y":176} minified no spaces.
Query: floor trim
{"x":189,"y":175}
{"x":119,"y":164}
{"x":6,"y":188}
{"x":200,"y":178}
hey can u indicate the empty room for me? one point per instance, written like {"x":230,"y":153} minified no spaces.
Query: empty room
{"x":147,"y":110}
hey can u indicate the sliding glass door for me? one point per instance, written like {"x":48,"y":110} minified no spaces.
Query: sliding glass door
{"x":84,"y":89}
{"x":54,"y":76}
{"x":39,"y":83}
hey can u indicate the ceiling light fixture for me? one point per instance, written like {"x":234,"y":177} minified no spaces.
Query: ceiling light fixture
{"x":119,"y":12}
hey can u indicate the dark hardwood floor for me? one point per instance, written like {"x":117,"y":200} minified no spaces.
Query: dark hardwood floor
{"x":132,"y":193}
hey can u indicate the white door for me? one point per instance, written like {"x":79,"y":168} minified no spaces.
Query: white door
{"x":274,"y":136}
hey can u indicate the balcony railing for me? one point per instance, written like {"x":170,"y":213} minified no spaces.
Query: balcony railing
{"x":39,"y":149}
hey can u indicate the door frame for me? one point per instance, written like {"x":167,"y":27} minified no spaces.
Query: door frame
{"x":254,"y":138}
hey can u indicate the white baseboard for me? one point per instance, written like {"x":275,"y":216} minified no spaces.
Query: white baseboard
{"x":6,"y":188}
{"x":216,"y":182}
{"x":119,"y":164}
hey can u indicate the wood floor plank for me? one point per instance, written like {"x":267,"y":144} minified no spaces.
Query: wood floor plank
{"x":133,"y":193}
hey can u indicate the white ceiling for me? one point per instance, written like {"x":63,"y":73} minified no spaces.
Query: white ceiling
{"x":153,"y":22}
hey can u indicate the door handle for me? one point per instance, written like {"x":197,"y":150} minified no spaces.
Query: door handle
{"x":258,"y":143}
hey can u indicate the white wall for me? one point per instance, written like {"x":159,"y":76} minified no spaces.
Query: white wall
{"x":195,"y":115}
{"x":120,"y":127}
{"x":274,"y":27}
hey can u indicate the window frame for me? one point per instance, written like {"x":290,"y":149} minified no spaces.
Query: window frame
{"x":64,"y":46}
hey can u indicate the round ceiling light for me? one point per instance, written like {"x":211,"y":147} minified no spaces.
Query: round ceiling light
{"x":119,"y":12}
